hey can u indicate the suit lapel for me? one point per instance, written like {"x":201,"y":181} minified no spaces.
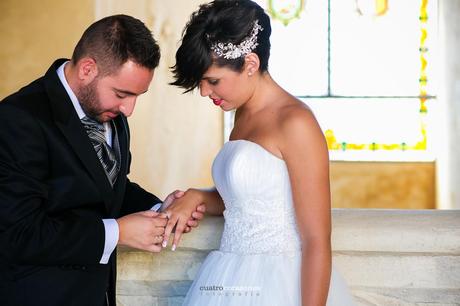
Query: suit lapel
{"x":68,"y":122}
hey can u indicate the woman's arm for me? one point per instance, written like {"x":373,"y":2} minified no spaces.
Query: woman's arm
{"x":305,"y":151}
{"x":181,"y":210}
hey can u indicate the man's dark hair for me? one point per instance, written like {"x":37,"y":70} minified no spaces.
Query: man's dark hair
{"x":116,"y":39}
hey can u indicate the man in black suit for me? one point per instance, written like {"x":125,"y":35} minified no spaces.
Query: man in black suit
{"x":65,"y":199}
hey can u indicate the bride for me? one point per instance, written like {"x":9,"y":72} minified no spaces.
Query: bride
{"x":271,"y":178}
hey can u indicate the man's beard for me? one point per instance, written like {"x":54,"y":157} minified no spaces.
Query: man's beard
{"x":89,"y":100}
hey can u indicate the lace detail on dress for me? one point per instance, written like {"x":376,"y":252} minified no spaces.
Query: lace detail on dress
{"x":254,"y":226}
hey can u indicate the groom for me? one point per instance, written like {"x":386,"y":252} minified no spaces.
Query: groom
{"x":65,"y":199}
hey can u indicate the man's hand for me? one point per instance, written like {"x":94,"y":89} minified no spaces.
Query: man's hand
{"x":143,"y":230}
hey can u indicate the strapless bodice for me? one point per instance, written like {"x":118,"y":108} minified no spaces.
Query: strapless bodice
{"x":259,"y":213}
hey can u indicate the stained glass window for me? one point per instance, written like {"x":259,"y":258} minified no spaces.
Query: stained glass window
{"x":365,"y":67}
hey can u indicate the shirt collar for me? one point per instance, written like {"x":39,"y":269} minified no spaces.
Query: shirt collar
{"x":72,"y":96}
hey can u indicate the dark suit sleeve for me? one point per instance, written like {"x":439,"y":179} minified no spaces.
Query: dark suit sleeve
{"x":29,"y":232}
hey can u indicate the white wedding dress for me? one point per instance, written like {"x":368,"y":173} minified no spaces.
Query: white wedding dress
{"x":258,"y":262}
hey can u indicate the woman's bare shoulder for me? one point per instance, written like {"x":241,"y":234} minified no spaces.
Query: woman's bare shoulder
{"x":298,"y":127}
{"x":296,"y":115}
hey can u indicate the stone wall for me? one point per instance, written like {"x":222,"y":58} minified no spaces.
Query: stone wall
{"x":388,"y":257}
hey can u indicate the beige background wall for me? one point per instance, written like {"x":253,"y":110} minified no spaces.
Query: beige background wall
{"x":383,"y":185}
{"x":175,"y":136}
{"x":34,"y":33}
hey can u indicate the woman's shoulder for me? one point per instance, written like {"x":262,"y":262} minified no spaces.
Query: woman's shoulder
{"x":296,"y":115}
{"x":298,"y":126}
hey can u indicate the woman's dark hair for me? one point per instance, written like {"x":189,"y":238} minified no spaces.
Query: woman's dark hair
{"x":115,"y":39}
{"x":221,"y":21}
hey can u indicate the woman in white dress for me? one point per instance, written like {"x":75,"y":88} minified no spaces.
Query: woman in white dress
{"x":272,"y":177}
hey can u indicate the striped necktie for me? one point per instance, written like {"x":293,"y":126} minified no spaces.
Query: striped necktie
{"x":108,"y":158}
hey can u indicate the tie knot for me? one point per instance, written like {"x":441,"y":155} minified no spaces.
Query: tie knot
{"x":108,"y":158}
{"x":92,"y":125}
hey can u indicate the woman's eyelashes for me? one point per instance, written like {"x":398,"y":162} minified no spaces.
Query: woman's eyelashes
{"x":213,"y":82}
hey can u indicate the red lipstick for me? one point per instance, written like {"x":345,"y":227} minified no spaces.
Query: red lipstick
{"x":217,"y":101}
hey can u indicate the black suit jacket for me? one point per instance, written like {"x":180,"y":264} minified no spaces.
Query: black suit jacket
{"x":53,"y":196}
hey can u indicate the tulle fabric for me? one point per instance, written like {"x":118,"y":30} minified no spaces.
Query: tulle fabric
{"x":259,"y":279}
{"x":254,"y":280}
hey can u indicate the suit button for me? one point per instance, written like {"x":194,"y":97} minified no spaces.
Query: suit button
{"x":83,"y":268}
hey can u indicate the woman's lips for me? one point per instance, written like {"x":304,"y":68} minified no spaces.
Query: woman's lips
{"x":217,"y":101}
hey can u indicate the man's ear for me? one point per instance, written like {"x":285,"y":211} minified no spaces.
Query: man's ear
{"x":87,"y":70}
{"x":251,"y":63}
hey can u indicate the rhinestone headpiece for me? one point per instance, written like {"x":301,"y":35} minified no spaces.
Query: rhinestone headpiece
{"x":231,"y":51}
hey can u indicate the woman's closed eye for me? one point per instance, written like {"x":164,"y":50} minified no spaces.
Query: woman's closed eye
{"x":213,"y":82}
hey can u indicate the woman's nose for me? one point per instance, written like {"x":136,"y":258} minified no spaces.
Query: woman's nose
{"x":205,"y":89}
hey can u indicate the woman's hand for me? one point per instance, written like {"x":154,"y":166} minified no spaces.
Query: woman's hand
{"x":182,"y":213}
{"x":196,"y":215}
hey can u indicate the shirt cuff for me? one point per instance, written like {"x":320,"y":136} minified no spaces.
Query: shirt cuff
{"x":156,"y":207}
{"x":111,"y":239}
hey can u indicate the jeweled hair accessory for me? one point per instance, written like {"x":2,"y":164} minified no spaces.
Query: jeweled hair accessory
{"x":231,"y":51}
